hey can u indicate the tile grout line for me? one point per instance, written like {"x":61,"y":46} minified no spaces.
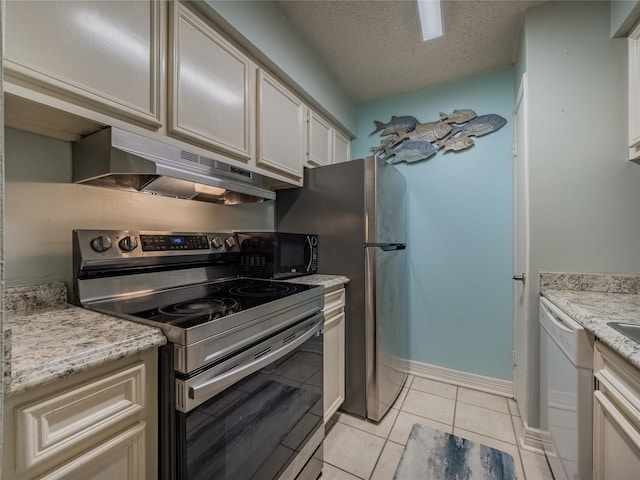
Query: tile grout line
{"x":515,"y":434}
{"x":455,"y":409}
{"x":386,"y":438}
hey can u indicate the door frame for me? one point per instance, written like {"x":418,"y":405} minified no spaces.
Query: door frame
{"x":521,"y":247}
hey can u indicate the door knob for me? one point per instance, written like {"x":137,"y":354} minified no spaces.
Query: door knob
{"x":521,"y":278}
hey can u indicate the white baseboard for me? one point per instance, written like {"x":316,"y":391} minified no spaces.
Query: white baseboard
{"x":462,"y":379}
{"x":531,"y":439}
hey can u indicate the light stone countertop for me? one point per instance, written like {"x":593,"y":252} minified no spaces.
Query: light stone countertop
{"x":50,"y":339}
{"x":617,"y":301}
{"x":327,"y":281}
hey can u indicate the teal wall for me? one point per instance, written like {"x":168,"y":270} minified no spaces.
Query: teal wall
{"x":261,"y":29}
{"x":460,"y":229}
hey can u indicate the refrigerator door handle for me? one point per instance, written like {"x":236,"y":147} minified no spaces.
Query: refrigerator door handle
{"x":387,"y":247}
{"x":390,"y":248}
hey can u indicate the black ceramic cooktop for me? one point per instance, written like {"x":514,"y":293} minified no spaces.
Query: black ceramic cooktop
{"x":219,"y":299}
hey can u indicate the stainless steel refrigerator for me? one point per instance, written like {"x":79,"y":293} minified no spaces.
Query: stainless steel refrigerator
{"x":358,"y":210}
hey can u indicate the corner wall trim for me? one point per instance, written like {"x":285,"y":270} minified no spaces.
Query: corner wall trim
{"x":463,"y":379}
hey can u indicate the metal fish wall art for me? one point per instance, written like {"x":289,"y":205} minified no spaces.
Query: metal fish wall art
{"x":404,"y":123}
{"x":458,"y":116}
{"x":411,"y":152}
{"x":408,"y":140}
{"x":430,"y":132}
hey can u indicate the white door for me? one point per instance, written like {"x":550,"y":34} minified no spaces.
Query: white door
{"x":521,"y":248}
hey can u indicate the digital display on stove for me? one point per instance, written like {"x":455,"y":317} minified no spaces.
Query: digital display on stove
{"x":157,"y":243}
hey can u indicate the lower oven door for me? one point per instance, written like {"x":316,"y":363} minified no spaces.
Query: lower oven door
{"x":256,"y":415}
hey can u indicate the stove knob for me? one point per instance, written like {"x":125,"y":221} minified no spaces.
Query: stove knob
{"x":128,"y":244}
{"x":230,"y":242}
{"x":216,"y":242}
{"x":101,"y":244}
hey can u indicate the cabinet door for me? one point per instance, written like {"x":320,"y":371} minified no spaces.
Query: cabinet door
{"x":120,"y":457}
{"x":98,"y":54}
{"x":334,"y":388}
{"x":334,"y":354}
{"x":341,"y":147}
{"x":319,"y":141}
{"x":634,"y":93}
{"x":209,"y":87}
{"x":281,"y":128}
{"x":616,"y":443}
{"x":616,"y":415}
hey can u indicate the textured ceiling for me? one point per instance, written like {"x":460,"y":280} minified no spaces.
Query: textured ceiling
{"x":374,"y":48}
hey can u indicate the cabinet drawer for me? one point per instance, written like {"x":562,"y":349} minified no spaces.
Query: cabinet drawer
{"x":53,"y":424}
{"x":618,"y":379}
{"x":334,"y":299}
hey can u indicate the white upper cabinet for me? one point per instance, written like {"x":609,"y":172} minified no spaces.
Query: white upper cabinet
{"x":341,"y":147}
{"x":281,"y":128}
{"x":634,"y":93}
{"x":106,"y":55}
{"x":210,"y":87}
{"x":320,"y":140}
{"x":325,"y":142}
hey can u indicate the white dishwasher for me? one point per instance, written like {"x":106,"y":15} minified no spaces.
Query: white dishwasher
{"x":566,"y":393}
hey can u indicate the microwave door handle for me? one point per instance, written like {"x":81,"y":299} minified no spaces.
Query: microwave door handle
{"x":217,"y":384}
{"x":308,"y":250}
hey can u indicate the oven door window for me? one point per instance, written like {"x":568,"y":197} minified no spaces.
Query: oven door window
{"x":254,"y":429}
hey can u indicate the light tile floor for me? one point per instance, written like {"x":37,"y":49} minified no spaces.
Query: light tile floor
{"x":358,"y":449}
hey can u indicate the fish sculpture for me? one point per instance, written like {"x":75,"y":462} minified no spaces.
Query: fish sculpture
{"x":458,"y":116}
{"x":429,"y":132}
{"x":412,"y":152}
{"x":481,"y":125}
{"x":402,"y":124}
{"x":458,"y":143}
{"x":477,"y":127}
{"x":386,"y":144}
{"x":408,"y":140}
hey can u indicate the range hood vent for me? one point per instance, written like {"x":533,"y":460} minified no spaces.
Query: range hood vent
{"x":115,"y":158}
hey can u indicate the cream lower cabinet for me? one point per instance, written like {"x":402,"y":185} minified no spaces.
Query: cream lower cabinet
{"x":616,"y":413}
{"x":99,"y":424}
{"x":334,"y":335}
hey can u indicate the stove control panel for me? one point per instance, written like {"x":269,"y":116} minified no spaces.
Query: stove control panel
{"x":154,"y":243}
{"x":102,"y":245}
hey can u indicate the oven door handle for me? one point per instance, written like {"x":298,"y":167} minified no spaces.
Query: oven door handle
{"x":202,"y":392}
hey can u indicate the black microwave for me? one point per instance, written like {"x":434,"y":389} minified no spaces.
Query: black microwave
{"x":277,"y":254}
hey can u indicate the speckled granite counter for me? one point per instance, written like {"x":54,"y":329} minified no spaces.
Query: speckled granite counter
{"x":595,"y":300}
{"x":327,"y":281}
{"x":50,"y":339}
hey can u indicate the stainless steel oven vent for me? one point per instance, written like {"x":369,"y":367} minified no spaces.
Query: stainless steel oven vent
{"x":115,"y":158}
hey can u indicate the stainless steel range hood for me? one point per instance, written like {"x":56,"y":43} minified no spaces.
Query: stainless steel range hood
{"x":115,"y":158}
